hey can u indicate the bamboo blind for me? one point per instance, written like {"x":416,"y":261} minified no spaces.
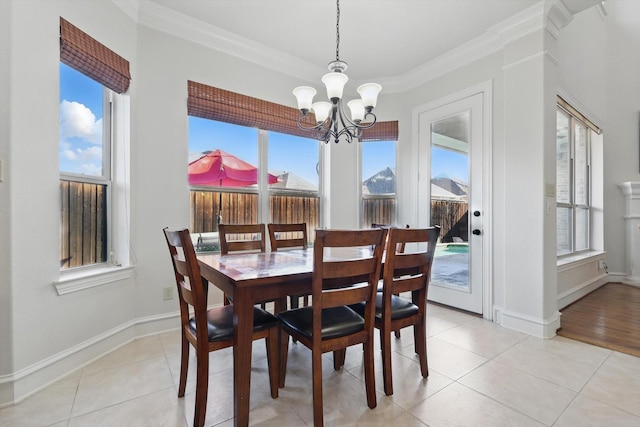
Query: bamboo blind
{"x":212,"y":103}
{"x":382,"y":131}
{"x":87,"y":55}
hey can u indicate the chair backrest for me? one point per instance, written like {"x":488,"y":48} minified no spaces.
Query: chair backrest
{"x":346,"y":270}
{"x":248,"y":238}
{"x":283,"y":236}
{"x":404,"y":272}
{"x":192,"y":291}
{"x":400,"y":245}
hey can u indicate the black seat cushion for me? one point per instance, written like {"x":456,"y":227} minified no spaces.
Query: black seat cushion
{"x":336,"y":321}
{"x":400,"y":307}
{"x":220,"y":322}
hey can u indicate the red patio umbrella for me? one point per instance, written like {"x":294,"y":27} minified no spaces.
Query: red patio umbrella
{"x":223,"y":169}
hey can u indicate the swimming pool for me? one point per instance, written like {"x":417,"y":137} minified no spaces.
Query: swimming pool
{"x":444,"y":249}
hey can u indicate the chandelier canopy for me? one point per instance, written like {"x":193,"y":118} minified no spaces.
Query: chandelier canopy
{"x":331,"y":120}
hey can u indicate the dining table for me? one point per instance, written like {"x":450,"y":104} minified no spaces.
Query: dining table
{"x":256,"y":277}
{"x":250,"y":278}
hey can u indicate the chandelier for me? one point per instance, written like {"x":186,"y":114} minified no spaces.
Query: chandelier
{"x":331,"y":120}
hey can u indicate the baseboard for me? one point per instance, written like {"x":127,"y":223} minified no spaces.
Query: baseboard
{"x":19,"y":385}
{"x":580,"y":290}
{"x":541,"y":328}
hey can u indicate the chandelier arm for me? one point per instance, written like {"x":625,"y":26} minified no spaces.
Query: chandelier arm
{"x":317,"y":127}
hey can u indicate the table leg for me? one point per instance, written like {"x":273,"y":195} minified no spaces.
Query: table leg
{"x":242,"y":333}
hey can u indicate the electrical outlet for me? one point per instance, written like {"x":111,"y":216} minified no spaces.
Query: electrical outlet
{"x":600,"y":264}
{"x":167,"y":293}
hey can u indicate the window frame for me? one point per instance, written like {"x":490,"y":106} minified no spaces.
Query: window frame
{"x":576,"y":119}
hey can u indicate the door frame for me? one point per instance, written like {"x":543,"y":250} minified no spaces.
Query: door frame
{"x":485,"y":89}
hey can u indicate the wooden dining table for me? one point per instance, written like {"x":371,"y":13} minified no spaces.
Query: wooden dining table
{"x":251,"y":278}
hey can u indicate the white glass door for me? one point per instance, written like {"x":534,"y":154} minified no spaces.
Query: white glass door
{"x":451,"y":155}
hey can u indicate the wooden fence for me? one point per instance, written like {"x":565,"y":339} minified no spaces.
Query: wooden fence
{"x":207,"y":207}
{"x":83,"y":223}
{"x":242,"y":208}
{"x":83,"y":216}
{"x":451,"y":216}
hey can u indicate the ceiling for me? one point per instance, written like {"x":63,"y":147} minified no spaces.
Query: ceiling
{"x":380,"y":40}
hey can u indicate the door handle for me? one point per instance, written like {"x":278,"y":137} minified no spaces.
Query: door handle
{"x":476,"y":232}
{"x":476,"y":213}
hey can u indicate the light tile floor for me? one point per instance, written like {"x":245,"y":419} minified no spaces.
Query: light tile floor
{"x":480,"y":375}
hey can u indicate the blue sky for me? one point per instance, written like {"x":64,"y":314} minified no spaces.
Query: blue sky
{"x":80,"y":123}
{"x":81,"y":139}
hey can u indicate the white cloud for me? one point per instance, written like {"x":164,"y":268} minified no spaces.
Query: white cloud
{"x":76,"y":120}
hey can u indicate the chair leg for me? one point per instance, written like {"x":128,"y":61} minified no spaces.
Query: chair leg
{"x":339,"y":357}
{"x":284,"y":353}
{"x":369,"y":375}
{"x":316,"y":368}
{"x":202,"y":388}
{"x":184,"y":364}
{"x":420,"y":342}
{"x":385,"y":344}
{"x":273,"y":361}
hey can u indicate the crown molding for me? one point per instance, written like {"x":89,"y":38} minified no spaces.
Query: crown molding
{"x":160,"y":18}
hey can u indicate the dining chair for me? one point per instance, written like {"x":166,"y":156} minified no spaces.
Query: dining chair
{"x":404,"y":272}
{"x":329,"y":324}
{"x":289,"y":236}
{"x":210,"y":329}
{"x":400,"y":248}
{"x":241,"y":238}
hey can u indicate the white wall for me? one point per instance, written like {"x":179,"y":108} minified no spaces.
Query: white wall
{"x":6,"y":306}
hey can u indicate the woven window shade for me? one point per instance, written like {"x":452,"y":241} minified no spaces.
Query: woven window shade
{"x":222,"y":105}
{"x":382,"y":131}
{"x":87,"y":55}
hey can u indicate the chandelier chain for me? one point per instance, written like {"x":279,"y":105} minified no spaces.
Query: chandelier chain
{"x":337,"y":30}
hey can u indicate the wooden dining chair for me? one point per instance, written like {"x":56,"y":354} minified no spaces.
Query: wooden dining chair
{"x":400,"y":248}
{"x":211,"y":329}
{"x":329,"y":324}
{"x":289,"y":236}
{"x":404,"y":272}
{"x":241,"y":238}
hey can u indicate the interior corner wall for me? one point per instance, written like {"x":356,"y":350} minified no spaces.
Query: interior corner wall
{"x":6,"y":296}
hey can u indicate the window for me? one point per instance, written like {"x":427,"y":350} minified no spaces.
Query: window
{"x":573,"y":180}
{"x":378,"y":154}
{"x":378,"y":182}
{"x":274,"y":174}
{"x":84,"y":169}
{"x":91,"y":77}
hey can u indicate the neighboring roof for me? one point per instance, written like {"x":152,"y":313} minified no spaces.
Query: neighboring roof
{"x":293,"y":181}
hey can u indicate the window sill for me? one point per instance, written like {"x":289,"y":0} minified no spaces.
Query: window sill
{"x":85,"y":279}
{"x":572,"y":261}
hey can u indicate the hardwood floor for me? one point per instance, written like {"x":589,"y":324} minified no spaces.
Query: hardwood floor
{"x":608,"y":317}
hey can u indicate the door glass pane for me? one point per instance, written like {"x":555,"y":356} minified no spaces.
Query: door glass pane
{"x":582,"y":229}
{"x":564,"y":225}
{"x":563,"y":159}
{"x":450,"y":200}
